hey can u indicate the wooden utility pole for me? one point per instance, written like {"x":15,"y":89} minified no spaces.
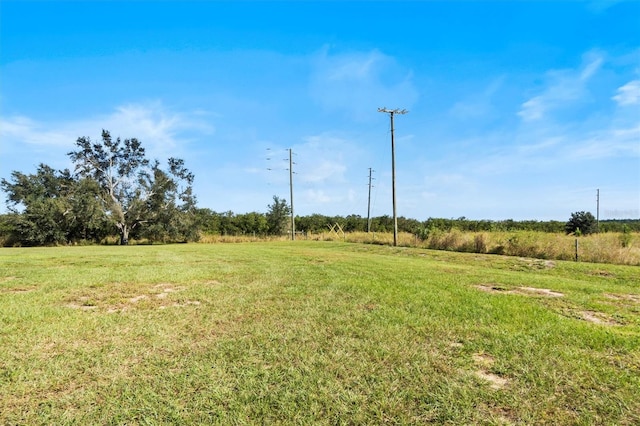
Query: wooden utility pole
{"x":391,"y":113}
{"x":369,"y":203}
{"x":293,"y":220}
{"x":597,"y":210}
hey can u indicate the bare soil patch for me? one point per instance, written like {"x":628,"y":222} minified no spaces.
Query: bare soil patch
{"x":495,"y":382}
{"x":541,"y":291}
{"x":527,"y":291}
{"x":597,"y":318}
{"x":491,"y":288}
{"x":632,"y":298}
{"x":484,"y":362}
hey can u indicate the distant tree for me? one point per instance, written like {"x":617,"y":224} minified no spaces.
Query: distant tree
{"x":278,"y":216}
{"x":313,"y":223}
{"x":135,"y":193}
{"x":583,"y":223}
{"x":250,"y":223}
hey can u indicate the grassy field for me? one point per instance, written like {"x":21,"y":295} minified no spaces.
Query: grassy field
{"x":312,"y":332}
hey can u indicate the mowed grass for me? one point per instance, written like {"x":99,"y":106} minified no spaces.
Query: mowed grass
{"x":314,"y":333}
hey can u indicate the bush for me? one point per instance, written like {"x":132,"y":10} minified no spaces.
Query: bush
{"x":582,"y":223}
{"x":625,"y":237}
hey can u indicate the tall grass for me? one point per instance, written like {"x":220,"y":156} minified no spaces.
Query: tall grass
{"x":615,"y":248}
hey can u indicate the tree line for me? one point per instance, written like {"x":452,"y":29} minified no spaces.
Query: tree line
{"x":229,"y":223}
{"x":115,"y":194}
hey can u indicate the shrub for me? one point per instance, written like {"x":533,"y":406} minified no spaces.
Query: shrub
{"x":480,"y":243}
{"x":625,"y":237}
{"x":582,"y":222}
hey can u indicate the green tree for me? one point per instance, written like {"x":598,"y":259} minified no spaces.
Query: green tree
{"x":252,"y":223}
{"x":135,"y":193}
{"x":581,"y":222}
{"x":278,"y":216}
{"x":40,"y":205}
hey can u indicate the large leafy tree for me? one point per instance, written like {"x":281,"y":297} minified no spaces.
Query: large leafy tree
{"x":52,"y":207}
{"x":134,"y":192}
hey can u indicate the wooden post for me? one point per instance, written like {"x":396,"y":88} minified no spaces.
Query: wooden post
{"x":577,"y":257}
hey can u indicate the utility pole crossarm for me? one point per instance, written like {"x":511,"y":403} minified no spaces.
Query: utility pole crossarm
{"x":393,"y":111}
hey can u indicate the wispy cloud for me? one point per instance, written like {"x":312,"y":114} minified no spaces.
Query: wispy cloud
{"x":478,"y":105}
{"x":358,"y":82}
{"x":324,"y":158}
{"x":562,"y":88}
{"x":629,"y":94}
{"x":161,"y":131}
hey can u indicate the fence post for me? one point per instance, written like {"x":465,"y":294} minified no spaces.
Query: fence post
{"x":577,"y":257}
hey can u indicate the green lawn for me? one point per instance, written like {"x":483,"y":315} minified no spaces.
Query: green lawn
{"x":314,"y":333}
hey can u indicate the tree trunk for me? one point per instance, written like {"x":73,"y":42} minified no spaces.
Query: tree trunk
{"x":124,"y":235}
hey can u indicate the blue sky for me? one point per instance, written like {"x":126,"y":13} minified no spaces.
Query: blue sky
{"x":517,"y":110}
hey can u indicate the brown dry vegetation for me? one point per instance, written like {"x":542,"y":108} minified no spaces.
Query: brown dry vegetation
{"x":597,"y":248}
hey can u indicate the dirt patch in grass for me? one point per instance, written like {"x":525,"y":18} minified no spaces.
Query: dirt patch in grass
{"x":527,"y":291}
{"x":484,"y":362}
{"x":495,"y":382}
{"x":492,"y":288}
{"x":633,"y":299}
{"x":17,"y":289}
{"x":540,"y":291}
{"x":131,"y":297}
{"x":83,"y":303}
{"x":538,"y":263}
{"x":136,"y":299}
{"x":605,"y":274}
{"x":597,"y":318}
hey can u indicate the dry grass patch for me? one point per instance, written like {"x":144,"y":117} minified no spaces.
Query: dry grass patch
{"x":131,"y":296}
{"x":17,"y":289}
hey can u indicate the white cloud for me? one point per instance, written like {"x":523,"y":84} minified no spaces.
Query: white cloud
{"x":533,"y":109}
{"x":161,"y":131}
{"x":313,"y":196}
{"x":629,"y":94}
{"x":563,"y":87}
{"x":323,"y":158}
{"x":20,"y":129}
{"x":360,"y":82}
{"x":608,"y":144}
